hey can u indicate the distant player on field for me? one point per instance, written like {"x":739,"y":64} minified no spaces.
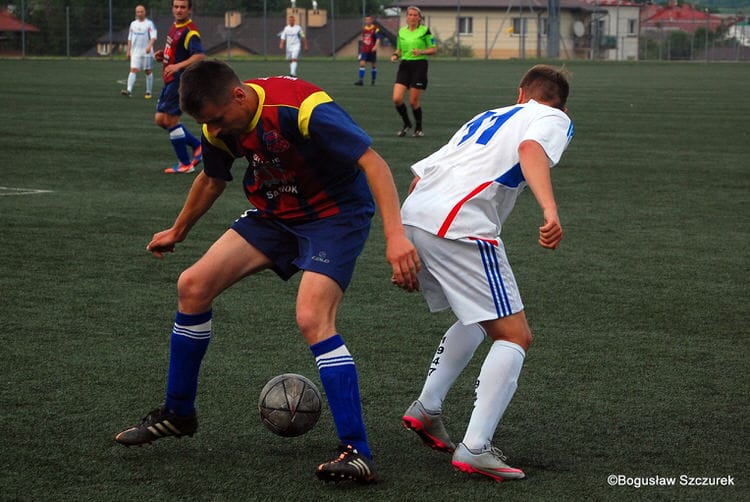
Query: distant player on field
{"x":182,"y":49}
{"x":311,"y":177}
{"x":460,"y":198}
{"x":292,"y":39}
{"x":368,"y":51}
{"x":415,"y":43}
{"x":141,"y":39}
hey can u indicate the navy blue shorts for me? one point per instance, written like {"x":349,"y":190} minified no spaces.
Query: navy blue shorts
{"x":169,"y":99}
{"x":329,"y":246}
{"x":369,"y":57}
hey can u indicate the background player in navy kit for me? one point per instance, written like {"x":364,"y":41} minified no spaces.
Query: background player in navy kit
{"x":307,"y":178}
{"x":368,"y":51}
{"x":461,"y":196}
{"x":183,"y":48}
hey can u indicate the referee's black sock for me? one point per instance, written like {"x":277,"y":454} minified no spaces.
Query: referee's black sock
{"x":401,"y":109}
{"x":417,"y":117}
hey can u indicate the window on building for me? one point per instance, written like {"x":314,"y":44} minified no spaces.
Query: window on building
{"x":519,"y":26}
{"x":466,"y":25}
{"x":544,"y":26}
{"x":632,"y":27}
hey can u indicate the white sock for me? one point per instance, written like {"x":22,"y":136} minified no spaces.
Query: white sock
{"x":293,"y":68}
{"x":497,"y":383}
{"x":149,"y":82}
{"x":131,"y":81}
{"x":451,"y":357}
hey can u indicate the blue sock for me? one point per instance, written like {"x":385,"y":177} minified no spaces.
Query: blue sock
{"x":178,"y":137}
{"x":190,"y":337}
{"x":374,"y":74}
{"x":192,"y":141}
{"x":361,"y":73}
{"x":339,"y":377}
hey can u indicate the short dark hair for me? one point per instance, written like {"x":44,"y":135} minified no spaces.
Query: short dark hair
{"x":547,"y":83}
{"x":207,"y":80}
{"x":190,"y":3}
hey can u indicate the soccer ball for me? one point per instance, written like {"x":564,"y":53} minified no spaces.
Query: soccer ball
{"x":289,"y":405}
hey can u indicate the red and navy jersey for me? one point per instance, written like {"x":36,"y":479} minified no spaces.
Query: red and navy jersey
{"x":183,"y":41}
{"x":370,"y":35}
{"x":302,"y":151}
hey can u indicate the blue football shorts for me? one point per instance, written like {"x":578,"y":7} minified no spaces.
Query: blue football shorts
{"x":169,"y":99}
{"x":329,"y":246}
{"x":368,"y":57}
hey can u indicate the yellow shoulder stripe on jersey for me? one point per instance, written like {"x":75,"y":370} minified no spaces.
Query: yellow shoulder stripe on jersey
{"x":215,"y":141}
{"x":306,"y":109}
{"x":261,"y":102}
{"x":190,"y":34}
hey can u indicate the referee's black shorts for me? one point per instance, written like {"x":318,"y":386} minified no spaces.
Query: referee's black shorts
{"x":412,"y":74}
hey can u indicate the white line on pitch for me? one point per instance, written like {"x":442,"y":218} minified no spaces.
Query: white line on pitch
{"x":21,"y":191}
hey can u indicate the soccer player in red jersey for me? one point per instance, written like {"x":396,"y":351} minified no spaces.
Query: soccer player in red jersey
{"x":183,"y":48}
{"x":313,"y":181}
{"x":368,"y":51}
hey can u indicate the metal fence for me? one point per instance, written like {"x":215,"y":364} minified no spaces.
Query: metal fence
{"x":74,"y":31}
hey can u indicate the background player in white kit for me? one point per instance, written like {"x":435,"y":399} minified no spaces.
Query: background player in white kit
{"x":141,"y":39}
{"x":292,"y":38}
{"x":460,"y":199}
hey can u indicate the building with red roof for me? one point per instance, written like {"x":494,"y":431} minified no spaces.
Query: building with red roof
{"x":682,"y":17}
{"x":12,"y":31}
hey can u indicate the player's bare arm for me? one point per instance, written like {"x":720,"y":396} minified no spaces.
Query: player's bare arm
{"x":202,"y":195}
{"x":536,"y":171}
{"x":172,"y":68}
{"x":400,"y":252}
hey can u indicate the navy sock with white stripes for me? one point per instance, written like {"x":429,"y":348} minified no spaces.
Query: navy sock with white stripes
{"x":339,"y":377}
{"x":190,"y":337}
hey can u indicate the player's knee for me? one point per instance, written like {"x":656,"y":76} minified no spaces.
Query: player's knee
{"x":192,"y":291}
{"x":312,"y":325}
{"x":307,"y":321}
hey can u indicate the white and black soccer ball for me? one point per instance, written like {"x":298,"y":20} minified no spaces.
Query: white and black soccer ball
{"x":290,"y":405}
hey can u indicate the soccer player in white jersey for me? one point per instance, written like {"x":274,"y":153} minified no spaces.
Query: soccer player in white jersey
{"x":460,"y":198}
{"x":141,"y":39}
{"x":293,"y":39}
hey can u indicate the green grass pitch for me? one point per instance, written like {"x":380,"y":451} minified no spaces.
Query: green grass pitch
{"x":640,"y":364}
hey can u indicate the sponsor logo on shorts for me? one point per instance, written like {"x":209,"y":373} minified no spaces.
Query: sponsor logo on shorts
{"x":321,"y":257}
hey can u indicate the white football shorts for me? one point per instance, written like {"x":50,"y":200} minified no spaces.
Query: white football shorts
{"x":292,"y":52}
{"x":471,"y":277}
{"x":142,"y":61}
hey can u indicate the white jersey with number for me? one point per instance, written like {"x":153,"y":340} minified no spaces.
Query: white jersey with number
{"x":469,"y":187}
{"x":139,"y":36}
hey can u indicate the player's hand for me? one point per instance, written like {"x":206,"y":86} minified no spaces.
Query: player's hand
{"x":550,"y":234}
{"x":162,"y":242}
{"x":169,"y":70}
{"x":404,"y":259}
{"x":159,"y":56}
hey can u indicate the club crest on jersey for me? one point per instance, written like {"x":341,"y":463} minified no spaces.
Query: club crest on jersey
{"x":275,"y":142}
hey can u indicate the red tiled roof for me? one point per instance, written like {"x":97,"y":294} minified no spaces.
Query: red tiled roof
{"x":10,"y":23}
{"x":683,"y":17}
